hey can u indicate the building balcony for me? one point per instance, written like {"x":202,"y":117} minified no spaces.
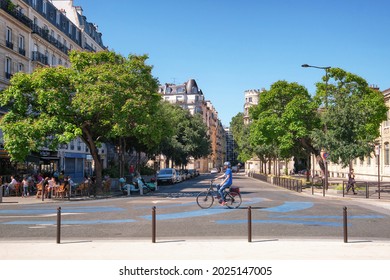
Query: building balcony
{"x":10,"y":9}
{"x":9,"y":44}
{"x":39,"y":57}
{"x":8,"y":75}
{"x":22,"y":51}
{"x":88,"y":48}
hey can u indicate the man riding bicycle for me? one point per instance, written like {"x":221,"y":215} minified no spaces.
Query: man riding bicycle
{"x":227,"y":181}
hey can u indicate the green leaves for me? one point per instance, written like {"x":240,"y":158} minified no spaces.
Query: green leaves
{"x":352,"y":118}
{"x":283,"y":118}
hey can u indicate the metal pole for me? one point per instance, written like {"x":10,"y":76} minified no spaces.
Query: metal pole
{"x":58,"y":225}
{"x":1,"y":193}
{"x":43,"y":191}
{"x":326,"y":178}
{"x":154,"y":224}
{"x":379,"y":177}
{"x":345,"y":225}
{"x":249,"y":224}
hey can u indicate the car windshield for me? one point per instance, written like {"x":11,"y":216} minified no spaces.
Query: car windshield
{"x":166,"y":171}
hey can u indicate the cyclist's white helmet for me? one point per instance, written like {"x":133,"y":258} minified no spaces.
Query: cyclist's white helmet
{"x":226,"y":163}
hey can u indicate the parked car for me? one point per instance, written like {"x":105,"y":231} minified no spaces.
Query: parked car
{"x":187,"y":174}
{"x":214,"y":171}
{"x":179,"y":176}
{"x":167,"y":175}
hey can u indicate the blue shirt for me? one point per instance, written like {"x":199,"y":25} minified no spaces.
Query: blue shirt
{"x":229,"y":173}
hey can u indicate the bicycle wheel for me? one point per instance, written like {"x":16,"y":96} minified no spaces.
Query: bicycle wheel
{"x":205,"y":199}
{"x":233,"y":200}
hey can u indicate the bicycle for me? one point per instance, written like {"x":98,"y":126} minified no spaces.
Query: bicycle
{"x":206,"y":198}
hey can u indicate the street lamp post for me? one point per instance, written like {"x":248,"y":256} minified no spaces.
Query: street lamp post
{"x":326,"y":68}
{"x":377,"y":153}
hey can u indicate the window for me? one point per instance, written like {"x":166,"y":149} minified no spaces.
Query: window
{"x":78,"y":145}
{"x":8,"y":35}
{"x":44,"y":7}
{"x":387,"y":122}
{"x":21,"y":42}
{"x":70,"y":29}
{"x":386,"y":155}
{"x":369,"y":161}
{"x":53,"y":60}
{"x":58,"y":17}
{"x":34,"y":4}
{"x":8,"y":39}
{"x":72,"y":145}
{"x":8,"y":64}
{"x":20,"y":67}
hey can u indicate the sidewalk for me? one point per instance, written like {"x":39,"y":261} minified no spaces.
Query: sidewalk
{"x":276,"y":249}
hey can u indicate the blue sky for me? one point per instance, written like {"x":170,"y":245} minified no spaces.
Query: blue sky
{"x":229,"y":46}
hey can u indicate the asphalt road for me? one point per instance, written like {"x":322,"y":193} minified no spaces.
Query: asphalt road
{"x":276,"y":213}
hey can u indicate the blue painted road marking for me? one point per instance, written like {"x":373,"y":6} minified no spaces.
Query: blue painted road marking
{"x":290,"y":206}
{"x":198,"y":213}
{"x":327,"y":217}
{"x":63,"y":210}
{"x":282,"y":222}
{"x":74,"y":222}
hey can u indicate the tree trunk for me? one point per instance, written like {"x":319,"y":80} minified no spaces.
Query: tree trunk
{"x":88,"y":139}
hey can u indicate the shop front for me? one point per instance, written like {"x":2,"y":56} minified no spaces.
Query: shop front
{"x":73,"y":165}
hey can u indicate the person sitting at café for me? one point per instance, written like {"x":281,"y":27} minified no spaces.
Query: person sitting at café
{"x":11,"y":186}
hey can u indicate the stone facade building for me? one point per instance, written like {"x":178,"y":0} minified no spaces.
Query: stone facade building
{"x":40,"y":33}
{"x":190,"y":97}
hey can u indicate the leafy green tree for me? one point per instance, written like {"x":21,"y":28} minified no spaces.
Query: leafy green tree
{"x":189,"y":139}
{"x":102,"y":96}
{"x":241,"y":134}
{"x":351,"y":116}
{"x":283,"y":120}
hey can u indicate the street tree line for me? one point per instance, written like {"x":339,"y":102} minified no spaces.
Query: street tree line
{"x":341,"y":119}
{"x":102,"y":97}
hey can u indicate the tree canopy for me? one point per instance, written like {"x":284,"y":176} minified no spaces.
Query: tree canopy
{"x":101,"y":96}
{"x":283,"y":119}
{"x":189,"y":138}
{"x":351,"y":118}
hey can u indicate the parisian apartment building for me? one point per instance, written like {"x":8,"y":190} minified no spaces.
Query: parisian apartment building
{"x":190,"y":97}
{"x":40,"y":33}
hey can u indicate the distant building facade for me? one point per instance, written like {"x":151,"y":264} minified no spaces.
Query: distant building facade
{"x":190,"y":97}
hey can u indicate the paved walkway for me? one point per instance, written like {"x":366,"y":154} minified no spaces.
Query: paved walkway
{"x":276,"y":249}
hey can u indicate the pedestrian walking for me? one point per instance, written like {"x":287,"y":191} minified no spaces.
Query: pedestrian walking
{"x":351,"y":182}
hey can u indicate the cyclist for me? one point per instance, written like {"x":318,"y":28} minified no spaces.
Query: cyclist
{"x":226,"y":182}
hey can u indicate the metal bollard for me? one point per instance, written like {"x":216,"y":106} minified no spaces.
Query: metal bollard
{"x":58,"y":225}
{"x":1,"y":193}
{"x":249,"y":224}
{"x":154,"y":224}
{"x":345,"y":225}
